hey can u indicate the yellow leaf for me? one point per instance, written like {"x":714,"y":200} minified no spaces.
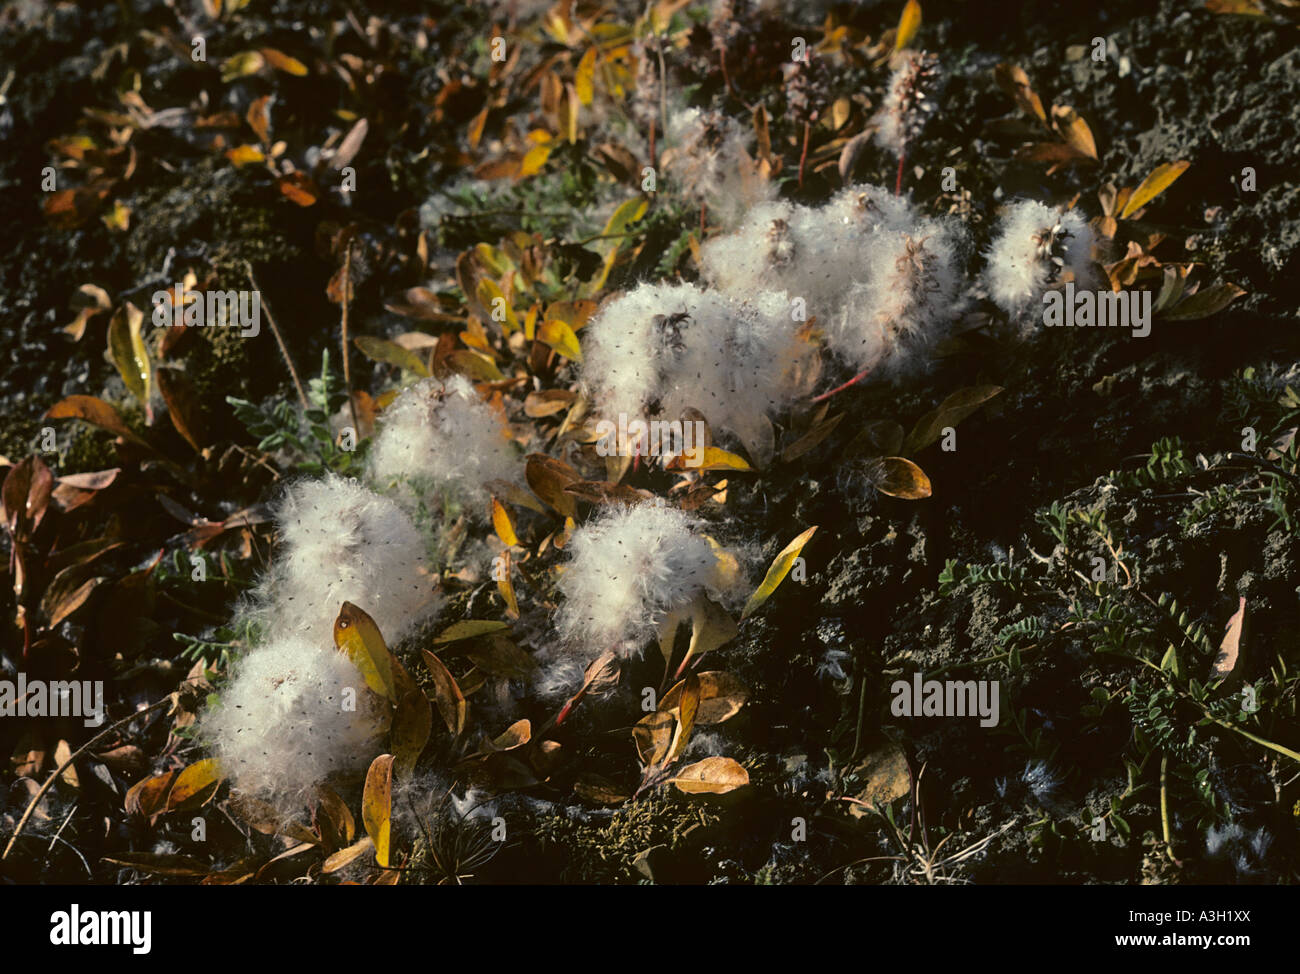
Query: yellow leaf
{"x":777,"y":572}
{"x":534,"y":159}
{"x":1160,"y":179}
{"x":244,"y":154}
{"x":714,"y":776}
{"x":583,"y":77}
{"x":908,"y":24}
{"x":195,"y":785}
{"x":899,"y":477}
{"x":714,"y":458}
{"x":494,"y":300}
{"x":242,"y":64}
{"x":560,"y":336}
{"x":126,"y":349}
{"x":688,"y":705}
{"x":377,"y":806}
{"x":501,"y":522}
{"x":118,"y":218}
{"x":356,"y":634}
{"x":282,"y":62}
{"x":627,"y":213}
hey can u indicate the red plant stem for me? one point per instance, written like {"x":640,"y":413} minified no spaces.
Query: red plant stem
{"x":852,"y":382}
{"x":803,"y":156}
{"x":898,"y":183}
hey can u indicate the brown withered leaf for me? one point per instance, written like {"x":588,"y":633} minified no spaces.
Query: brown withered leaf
{"x":498,"y":656}
{"x":600,"y":791}
{"x":950,"y":412}
{"x":721,"y":697}
{"x":182,"y":406}
{"x":88,"y":301}
{"x":96,"y":412}
{"x":604,"y":492}
{"x":1203,"y":303}
{"x":412,"y":724}
{"x":159,"y":864}
{"x":452,"y":705}
{"x":345,"y":857}
{"x":1012,"y":79}
{"x":898,"y":477}
{"x":73,"y":490}
{"x":516,"y":735}
{"x":1230,"y":649}
{"x":1075,"y":131}
{"x":67,"y":592}
{"x":299,"y":188}
{"x":713,"y":776}
{"x":688,"y":707}
{"x":548,"y":477}
{"x":148,"y":798}
{"x":886,"y":777}
{"x":812,"y":438}
{"x":653,"y":736}
{"x":548,"y":402}
{"x":351,"y":144}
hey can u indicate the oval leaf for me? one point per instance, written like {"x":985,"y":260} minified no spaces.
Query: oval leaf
{"x":899,"y":477}
{"x":776,"y":573}
{"x":377,"y":806}
{"x":713,"y":776}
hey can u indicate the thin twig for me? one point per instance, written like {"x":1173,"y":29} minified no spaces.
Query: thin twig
{"x":347,"y":298}
{"x":31,"y":806}
{"x":803,"y":156}
{"x":284,"y":349}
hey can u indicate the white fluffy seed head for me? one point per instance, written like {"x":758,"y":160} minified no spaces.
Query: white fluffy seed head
{"x":904,"y":302}
{"x":628,"y":568}
{"x":1037,"y":249}
{"x":662,"y":348}
{"x":439,"y":442}
{"x":340,"y":541}
{"x":281,"y":728}
{"x":909,"y":102}
{"x":707,"y":159}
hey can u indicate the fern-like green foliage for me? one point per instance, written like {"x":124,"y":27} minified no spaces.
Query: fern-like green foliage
{"x":1167,"y":461}
{"x":281,"y":424}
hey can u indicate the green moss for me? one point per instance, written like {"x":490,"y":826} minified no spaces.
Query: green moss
{"x":662,"y":823}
